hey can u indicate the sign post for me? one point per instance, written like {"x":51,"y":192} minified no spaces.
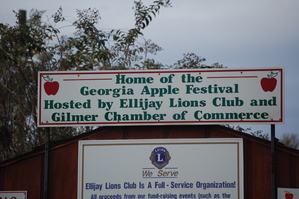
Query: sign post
{"x":46,"y":163}
{"x":273,"y":163}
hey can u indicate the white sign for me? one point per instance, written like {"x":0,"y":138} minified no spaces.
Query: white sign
{"x":287,"y":193}
{"x":211,"y":96}
{"x":13,"y":194}
{"x":172,"y":168}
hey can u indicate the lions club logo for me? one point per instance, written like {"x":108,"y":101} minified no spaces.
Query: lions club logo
{"x":160,"y":157}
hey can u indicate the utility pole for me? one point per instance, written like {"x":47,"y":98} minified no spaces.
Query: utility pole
{"x":22,"y":17}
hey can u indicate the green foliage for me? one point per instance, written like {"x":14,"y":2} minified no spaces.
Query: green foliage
{"x":151,"y":64}
{"x":23,"y":52}
{"x":191,"y":60}
{"x":34,"y":45}
{"x":290,"y":140}
{"x":144,"y":14}
{"x":258,"y":133}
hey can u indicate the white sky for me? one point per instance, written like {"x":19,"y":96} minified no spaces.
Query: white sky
{"x":237,"y":34}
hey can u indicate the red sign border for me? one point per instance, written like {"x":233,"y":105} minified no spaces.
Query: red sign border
{"x":23,"y":192}
{"x":41,"y":124}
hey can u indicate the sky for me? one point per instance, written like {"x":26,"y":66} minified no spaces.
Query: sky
{"x":234,"y":33}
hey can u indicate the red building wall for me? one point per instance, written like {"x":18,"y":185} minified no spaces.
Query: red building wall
{"x":26,"y":172}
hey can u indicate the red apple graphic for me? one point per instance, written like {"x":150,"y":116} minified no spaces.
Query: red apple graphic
{"x":269,"y":83}
{"x":289,"y":195}
{"x":51,"y":88}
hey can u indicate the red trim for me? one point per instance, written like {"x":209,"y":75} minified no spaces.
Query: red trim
{"x":281,"y":96}
{"x":40,"y":101}
{"x":87,"y":79}
{"x":156,"y":71}
{"x":14,"y":192}
{"x":24,"y":192}
{"x":164,"y":122}
{"x":234,"y":77}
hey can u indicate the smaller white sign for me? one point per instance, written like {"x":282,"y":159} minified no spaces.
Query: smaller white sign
{"x":13,"y":194}
{"x":287,"y":193}
{"x":172,"y":169}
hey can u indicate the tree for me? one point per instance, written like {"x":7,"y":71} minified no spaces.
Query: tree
{"x":23,"y":52}
{"x":33,"y":45}
{"x":290,"y":140}
{"x":258,"y":133}
{"x":92,"y":48}
{"x":191,"y":60}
